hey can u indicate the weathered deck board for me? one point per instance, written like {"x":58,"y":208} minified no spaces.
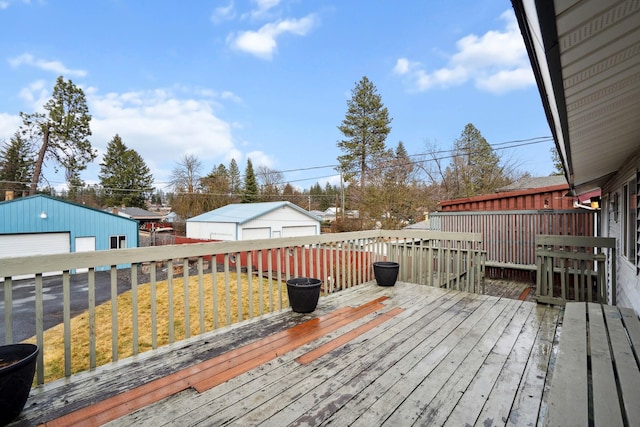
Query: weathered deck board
{"x":488,"y":371}
{"x":284,"y":383}
{"x":532,"y":385}
{"x":439,"y":356}
{"x":570,"y":380}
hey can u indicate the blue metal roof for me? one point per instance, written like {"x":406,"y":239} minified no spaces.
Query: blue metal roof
{"x":41,"y":213}
{"x":239,"y":213}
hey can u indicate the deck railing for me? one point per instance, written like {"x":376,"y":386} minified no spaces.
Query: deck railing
{"x":206,"y":286}
{"x":508,"y":236}
{"x":572,"y":268}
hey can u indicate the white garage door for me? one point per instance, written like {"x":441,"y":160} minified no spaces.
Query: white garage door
{"x":256,"y":233}
{"x":299,"y":230}
{"x":15,"y":245}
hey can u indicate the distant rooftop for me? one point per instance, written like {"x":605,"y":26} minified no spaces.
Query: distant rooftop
{"x":535,"y":182}
{"x":240,"y":213}
{"x":135,"y":213}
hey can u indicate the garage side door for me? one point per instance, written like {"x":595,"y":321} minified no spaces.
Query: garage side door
{"x":300,"y":230}
{"x":85,"y":244}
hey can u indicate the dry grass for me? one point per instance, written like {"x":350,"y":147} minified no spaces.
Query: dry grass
{"x":54,"y":337}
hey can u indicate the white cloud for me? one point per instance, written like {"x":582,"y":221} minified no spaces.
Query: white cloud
{"x":45,"y":65}
{"x":223,"y":13}
{"x":160,"y":127}
{"x":9,"y":124}
{"x":496,"y":62}
{"x":263,"y":8}
{"x":259,"y":158}
{"x":402,"y":66}
{"x":35,"y":95}
{"x":262,"y":43}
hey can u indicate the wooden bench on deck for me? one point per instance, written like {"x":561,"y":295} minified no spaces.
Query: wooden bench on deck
{"x":596,"y":379}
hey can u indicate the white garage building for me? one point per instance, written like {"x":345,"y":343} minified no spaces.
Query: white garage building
{"x":246,"y":221}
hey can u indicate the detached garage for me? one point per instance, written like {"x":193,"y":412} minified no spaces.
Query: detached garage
{"x":247,"y":221}
{"x":44,"y":225}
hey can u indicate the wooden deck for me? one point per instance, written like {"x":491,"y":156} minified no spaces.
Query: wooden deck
{"x":370,"y":355}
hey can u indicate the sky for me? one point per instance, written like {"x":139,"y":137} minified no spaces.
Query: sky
{"x":269,"y":80}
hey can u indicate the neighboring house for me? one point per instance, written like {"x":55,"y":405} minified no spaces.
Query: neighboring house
{"x":145,"y":219}
{"x":587,"y":66}
{"x":547,"y":192}
{"x":172,"y":217}
{"x":44,"y":225}
{"x":245,"y":221}
{"x":333,"y":213}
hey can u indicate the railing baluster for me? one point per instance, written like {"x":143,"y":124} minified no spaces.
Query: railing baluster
{"x":201,"y":293}
{"x":170,"y":302}
{"x":239,"y":283}
{"x":270,"y":277}
{"x":260,"y":283}
{"x":249,"y":283}
{"x":39,"y":329}
{"x":279,"y":277}
{"x":91,"y":275}
{"x":185,"y":290}
{"x":227,"y":291}
{"x":8,"y":311}
{"x":66,"y":315}
{"x":134,"y":308}
{"x":154,"y":309}
{"x":114,"y":312}
{"x":214,"y":292}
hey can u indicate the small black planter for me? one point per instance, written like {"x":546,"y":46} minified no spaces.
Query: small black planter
{"x":304,"y":293}
{"x":17,"y":368}
{"x":386,"y":272}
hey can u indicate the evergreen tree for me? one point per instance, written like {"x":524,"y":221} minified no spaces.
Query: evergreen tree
{"x":63,"y":131}
{"x":235,"y":182}
{"x":250,"y":192}
{"x":16,"y":166}
{"x":216,"y":186}
{"x":558,"y":167}
{"x":124,"y":176}
{"x":475,"y":168}
{"x":365,"y":127}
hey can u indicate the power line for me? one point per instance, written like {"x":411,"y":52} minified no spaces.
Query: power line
{"x":435,"y":156}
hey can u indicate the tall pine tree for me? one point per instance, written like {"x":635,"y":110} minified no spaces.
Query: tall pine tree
{"x":63,"y":131}
{"x":365,"y":127}
{"x":475,"y":167}
{"x":250,"y":191}
{"x":124,"y":176}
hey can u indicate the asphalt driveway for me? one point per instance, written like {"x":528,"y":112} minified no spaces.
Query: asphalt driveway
{"x":24,"y":300}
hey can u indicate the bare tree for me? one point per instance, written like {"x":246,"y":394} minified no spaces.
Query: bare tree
{"x":185,"y":180}
{"x":186,"y":174}
{"x":271,"y":182}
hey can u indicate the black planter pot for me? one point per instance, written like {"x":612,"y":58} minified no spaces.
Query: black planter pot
{"x":386,"y":272}
{"x":17,"y":368}
{"x":304,"y":293}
